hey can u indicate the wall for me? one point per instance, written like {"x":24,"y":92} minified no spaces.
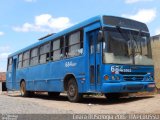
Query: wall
{"x":2,"y":81}
{"x":155,"y":43}
{"x":0,"y":87}
{"x":2,"y":76}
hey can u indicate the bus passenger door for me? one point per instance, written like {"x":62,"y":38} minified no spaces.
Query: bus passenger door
{"x":94,"y":61}
{"x":14,"y":68}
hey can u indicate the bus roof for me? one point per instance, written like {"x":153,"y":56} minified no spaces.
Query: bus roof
{"x":61,"y":33}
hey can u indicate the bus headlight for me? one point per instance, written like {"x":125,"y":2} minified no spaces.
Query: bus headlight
{"x":113,"y":77}
{"x":117,"y":77}
{"x":149,"y":78}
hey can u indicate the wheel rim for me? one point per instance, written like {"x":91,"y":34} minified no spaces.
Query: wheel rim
{"x":72,"y":90}
{"x":22,"y":88}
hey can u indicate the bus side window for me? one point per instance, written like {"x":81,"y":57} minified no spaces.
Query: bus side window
{"x":9,"y":64}
{"x":26,"y":56}
{"x":74,"y":46}
{"x":44,"y":53}
{"x":57,"y":49}
{"x":34,"y":57}
{"x":19,"y":61}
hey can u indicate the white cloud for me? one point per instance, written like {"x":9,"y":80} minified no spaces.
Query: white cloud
{"x":143,"y":15}
{"x":3,"y":61}
{"x":3,"y":65}
{"x":1,"y":33}
{"x":45,"y":23}
{"x":4,"y":48}
{"x":4,"y":52}
{"x":157,"y":32}
{"x":135,"y":1}
{"x":4,"y":56}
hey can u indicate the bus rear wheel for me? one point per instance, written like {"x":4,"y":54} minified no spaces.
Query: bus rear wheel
{"x":72,"y":91}
{"x":23,"y":91}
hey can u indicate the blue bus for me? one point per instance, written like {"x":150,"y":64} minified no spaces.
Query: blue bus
{"x":104,"y":54}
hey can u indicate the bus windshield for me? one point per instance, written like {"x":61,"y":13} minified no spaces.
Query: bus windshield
{"x":126,"y":47}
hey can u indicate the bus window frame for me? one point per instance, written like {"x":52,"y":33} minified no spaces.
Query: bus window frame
{"x":64,"y":48}
{"x":47,"y":58}
{"x":23,"y":60}
{"x":37,"y":47}
{"x":61,"y":48}
{"x":20,"y":61}
{"x":9,"y":64}
{"x":68,"y":46}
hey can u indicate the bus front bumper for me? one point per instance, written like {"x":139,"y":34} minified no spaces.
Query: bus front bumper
{"x":128,"y":87}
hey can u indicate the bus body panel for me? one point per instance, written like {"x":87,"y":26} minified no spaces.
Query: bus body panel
{"x":127,"y":87}
{"x":44,"y":77}
{"x":131,"y":81}
{"x":91,"y":30}
{"x":50,"y":76}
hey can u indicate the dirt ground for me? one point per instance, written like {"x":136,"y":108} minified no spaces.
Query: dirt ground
{"x":93,"y":105}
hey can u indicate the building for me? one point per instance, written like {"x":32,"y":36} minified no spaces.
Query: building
{"x":2,"y":81}
{"x":155,"y":43}
{"x":2,"y":76}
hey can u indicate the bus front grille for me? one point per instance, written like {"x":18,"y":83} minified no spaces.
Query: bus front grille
{"x":133,"y":76}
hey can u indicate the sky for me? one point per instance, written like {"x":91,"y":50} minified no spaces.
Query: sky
{"x":23,"y":22}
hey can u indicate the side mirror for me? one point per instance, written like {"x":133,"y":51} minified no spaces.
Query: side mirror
{"x":100,"y":36}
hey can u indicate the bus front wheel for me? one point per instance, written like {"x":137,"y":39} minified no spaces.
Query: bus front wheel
{"x":72,"y":91}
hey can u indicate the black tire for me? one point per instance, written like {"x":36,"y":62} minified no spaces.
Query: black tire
{"x":112,"y":96}
{"x":53,"y":94}
{"x":30,"y":93}
{"x":23,"y":91}
{"x":72,"y":91}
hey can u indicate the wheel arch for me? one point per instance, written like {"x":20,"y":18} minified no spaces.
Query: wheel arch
{"x":66,"y":80}
{"x":22,"y":81}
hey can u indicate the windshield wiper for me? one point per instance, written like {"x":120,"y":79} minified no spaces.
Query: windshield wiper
{"x":139,"y":50}
{"x":127,"y":39}
{"x":119,"y":30}
{"x":133,"y":53}
{"x":135,"y":46}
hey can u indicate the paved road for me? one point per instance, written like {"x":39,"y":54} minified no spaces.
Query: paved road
{"x":42,"y":104}
{"x":18,"y":105}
